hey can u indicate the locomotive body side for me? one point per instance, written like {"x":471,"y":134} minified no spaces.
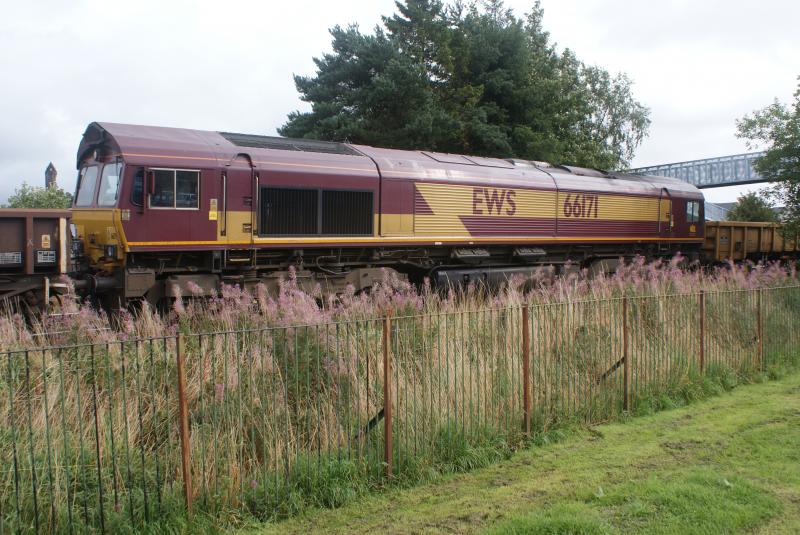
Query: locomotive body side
{"x":497,"y":201}
{"x":172,"y":211}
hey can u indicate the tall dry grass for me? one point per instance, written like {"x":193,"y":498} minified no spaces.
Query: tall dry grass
{"x":80,"y":322}
{"x":285,"y":392}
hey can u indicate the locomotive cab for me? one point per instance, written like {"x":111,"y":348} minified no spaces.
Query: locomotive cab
{"x":96,"y":213}
{"x":695,"y":217}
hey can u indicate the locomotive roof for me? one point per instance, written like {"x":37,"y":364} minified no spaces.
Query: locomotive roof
{"x":155,"y":145}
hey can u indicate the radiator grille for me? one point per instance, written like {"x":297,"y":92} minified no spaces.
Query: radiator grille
{"x":313,"y":212}
{"x":346,"y":213}
{"x":289,"y":212}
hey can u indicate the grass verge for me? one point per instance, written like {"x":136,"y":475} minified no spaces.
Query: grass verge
{"x":728,"y":464}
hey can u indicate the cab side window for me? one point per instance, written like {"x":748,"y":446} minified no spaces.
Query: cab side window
{"x":175,"y":188}
{"x":137,"y":188}
{"x":693,"y":212}
{"x":163,"y":195}
{"x":187,"y":186}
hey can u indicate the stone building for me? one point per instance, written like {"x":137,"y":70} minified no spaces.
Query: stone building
{"x":50,"y":175}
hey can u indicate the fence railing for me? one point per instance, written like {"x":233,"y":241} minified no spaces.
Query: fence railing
{"x":118,"y":435}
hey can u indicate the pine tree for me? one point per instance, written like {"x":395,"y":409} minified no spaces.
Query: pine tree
{"x":463,"y":78}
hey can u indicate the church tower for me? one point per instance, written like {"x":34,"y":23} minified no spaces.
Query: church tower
{"x":50,"y":175}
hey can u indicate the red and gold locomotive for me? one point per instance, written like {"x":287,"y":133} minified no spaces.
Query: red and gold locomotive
{"x":160,"y":210}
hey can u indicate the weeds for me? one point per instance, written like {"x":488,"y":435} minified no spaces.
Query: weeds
{"x":284,"y":417}
{"x":237,"y":309}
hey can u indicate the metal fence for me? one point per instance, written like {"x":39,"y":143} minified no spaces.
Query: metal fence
{"x":112,"y":437}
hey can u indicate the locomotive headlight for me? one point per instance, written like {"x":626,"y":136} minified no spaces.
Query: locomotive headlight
{"x":110,"y":251}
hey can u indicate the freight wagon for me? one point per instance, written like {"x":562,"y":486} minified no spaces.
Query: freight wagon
{"x":738,"y":241}
{"x":35,"y":254}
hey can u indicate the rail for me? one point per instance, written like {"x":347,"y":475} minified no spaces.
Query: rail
{"x":94,"y":437}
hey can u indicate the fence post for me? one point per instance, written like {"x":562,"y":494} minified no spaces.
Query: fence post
{"x":625,"y":357}
{"x":702,"y":331}
{"x":526,"y":370}
{"x":387,"y":396}
{"x":760,"y":319}
{"x":183,"y":417}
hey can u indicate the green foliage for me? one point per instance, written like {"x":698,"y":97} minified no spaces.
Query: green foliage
{"x":467,"y":80}
{"x":457,"y":451}
{"x":313,"y":483}
{"x":26,"y":196}
{"x":752,"y":207}
{"x":567,"y":519}
{"x":684,"y":389}
{"x":699,"y":501}
{"x":777,"y":129}
{"x":330,"y":481}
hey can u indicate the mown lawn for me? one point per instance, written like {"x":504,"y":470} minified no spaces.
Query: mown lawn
{"x":730,"y":464}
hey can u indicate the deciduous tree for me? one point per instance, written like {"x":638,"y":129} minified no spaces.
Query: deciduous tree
{"x":752,"y":207}
{"x":776,"y":128}
{"x":26,"y":196}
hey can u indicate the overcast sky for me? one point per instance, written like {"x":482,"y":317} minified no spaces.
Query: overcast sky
{"x":228,"y":66}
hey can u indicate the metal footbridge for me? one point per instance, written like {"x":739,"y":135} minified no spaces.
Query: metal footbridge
{"x":718,"y":172}
{"x":736,"y":170}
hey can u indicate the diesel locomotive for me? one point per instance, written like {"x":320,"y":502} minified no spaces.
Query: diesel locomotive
{"x":160,"y":212}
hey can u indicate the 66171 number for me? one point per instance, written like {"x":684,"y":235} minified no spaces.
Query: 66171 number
{"x":581,"y":205}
